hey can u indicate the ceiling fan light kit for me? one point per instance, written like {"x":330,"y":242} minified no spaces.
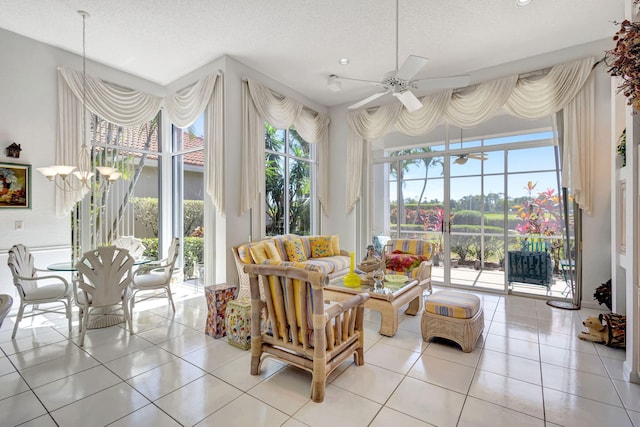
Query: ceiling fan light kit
{"x":461,"y":160}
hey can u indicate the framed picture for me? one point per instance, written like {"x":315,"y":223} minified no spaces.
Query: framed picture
{"x":15,"y":186}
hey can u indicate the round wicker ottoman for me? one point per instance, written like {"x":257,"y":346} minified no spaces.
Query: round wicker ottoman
{"x":456,"y":316}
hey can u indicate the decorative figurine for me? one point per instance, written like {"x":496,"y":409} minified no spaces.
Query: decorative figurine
{"x":13,"y":150}
{"x":370,"y":262}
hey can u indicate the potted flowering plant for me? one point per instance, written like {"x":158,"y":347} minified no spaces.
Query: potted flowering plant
{"x":624,"y":60}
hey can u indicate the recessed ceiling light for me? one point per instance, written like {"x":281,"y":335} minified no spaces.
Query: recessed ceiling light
{"x":343,"y":61}
{"x":522,"y":2}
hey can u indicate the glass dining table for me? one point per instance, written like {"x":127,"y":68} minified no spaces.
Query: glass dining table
{"x":103,"y":317}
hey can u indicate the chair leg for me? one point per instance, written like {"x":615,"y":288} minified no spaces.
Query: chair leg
{"x":69,"y":314}
{"x":132,"y":302}
{"x":85,"y":321}
{"x":18,"y":319}
{"x":168,"y":289}
{"x":127,"y":316}
{"x":80,"y":316}
{"x":318,"y":383}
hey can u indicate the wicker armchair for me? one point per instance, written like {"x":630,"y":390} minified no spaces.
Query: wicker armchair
{"x":293,"y":323}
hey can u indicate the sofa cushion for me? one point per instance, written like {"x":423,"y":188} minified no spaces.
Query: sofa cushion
{"x":279,"y":242}
{"x":331,"y":264}
{"x":295,"y":250}
{"x":321,"y":246}
{"x":335,"y":241}
{"x":244,"y":252}
{"x":413,"y":246}
{"x":272,"y":251}
{"x":303,"y":265}
{"x":258,"y":253}
{"x":458,"y":305}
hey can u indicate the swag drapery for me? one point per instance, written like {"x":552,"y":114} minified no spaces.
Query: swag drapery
{"x":259,"y":105}
{"x":128,"y":107}
{"x":566,"y":87}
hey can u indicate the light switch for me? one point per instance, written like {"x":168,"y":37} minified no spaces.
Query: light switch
{"x":19,"y":225}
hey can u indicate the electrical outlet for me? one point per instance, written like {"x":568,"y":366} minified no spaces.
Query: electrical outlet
{"x":19,"y":225}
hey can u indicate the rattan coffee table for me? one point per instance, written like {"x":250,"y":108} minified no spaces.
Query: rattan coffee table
{"x":387,"y":301}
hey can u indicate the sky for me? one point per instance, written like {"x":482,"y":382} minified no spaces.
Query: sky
{"x":532,"y":164}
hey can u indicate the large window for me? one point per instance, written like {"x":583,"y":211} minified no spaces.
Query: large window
{"x":475,"y":198}
{"x":187,"y":193}
{"x":123,"y":207}
{"x":289,"y":183}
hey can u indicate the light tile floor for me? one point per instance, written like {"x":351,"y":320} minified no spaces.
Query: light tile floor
{"x":528,"y":369}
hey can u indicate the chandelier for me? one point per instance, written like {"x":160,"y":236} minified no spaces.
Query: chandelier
{"x":73,"y":178}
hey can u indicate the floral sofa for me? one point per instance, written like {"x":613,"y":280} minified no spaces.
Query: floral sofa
{"x":411,"y":257}
{"x":320,"y":253}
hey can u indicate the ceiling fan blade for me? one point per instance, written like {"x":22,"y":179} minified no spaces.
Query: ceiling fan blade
{"x":478,"y":156}
{"x":373,"y":82}
{"x":367,"y":100}
{"x":442,"y":82}
{"x":412,"y":66}
{"x":409,"y":100}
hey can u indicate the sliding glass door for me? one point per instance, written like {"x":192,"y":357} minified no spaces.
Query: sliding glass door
{"x":475,"y":198}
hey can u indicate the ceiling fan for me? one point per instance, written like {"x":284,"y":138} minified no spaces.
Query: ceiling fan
{"x":462,"y":158}
{"x":399,"y":82}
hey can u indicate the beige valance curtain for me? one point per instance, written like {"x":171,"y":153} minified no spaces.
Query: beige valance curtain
{"x":259,"y":105}
{"x":128,"y":107}
{"x":528,"y":97}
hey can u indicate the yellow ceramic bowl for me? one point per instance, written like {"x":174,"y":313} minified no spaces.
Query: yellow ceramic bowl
{"x":395,"y":278}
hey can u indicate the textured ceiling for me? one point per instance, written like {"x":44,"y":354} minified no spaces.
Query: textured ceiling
{"x":299,"y":42}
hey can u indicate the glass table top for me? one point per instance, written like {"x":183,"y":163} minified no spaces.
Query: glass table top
{"x":388,"y":288}
{"x":71,"y":266}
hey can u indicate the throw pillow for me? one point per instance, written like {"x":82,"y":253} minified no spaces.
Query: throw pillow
{"x":258,"y":253}
{"x":295,"y":250}
{"x":272,"y":251}
{"x":335,"y":241}
{"x":321,"y":246}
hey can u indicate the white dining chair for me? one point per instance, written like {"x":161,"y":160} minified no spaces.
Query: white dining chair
{"x":104,"y":280}
{"x":156,"y":276}
{"x":133,"y":244}
{"x":5,"y":306}
{"x":34,"y":289}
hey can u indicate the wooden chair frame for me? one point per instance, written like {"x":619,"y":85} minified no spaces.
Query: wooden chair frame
{"x":323,"y":338}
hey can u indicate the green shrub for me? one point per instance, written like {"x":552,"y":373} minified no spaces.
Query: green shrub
{"x":192,"y":249}
{"x":146,"y":209}
{"x":467,"y":217}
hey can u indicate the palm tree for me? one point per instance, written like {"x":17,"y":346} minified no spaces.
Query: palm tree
{"x":429,"y":162}
{"x":274,"y":181}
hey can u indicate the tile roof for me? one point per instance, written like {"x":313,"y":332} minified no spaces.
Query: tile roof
{"x":135,"y":139}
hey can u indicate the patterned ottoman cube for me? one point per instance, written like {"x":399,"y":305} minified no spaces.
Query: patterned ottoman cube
{"x":456,"y":316}
{"x":217,"y":298}
{"x":238,"y":323}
